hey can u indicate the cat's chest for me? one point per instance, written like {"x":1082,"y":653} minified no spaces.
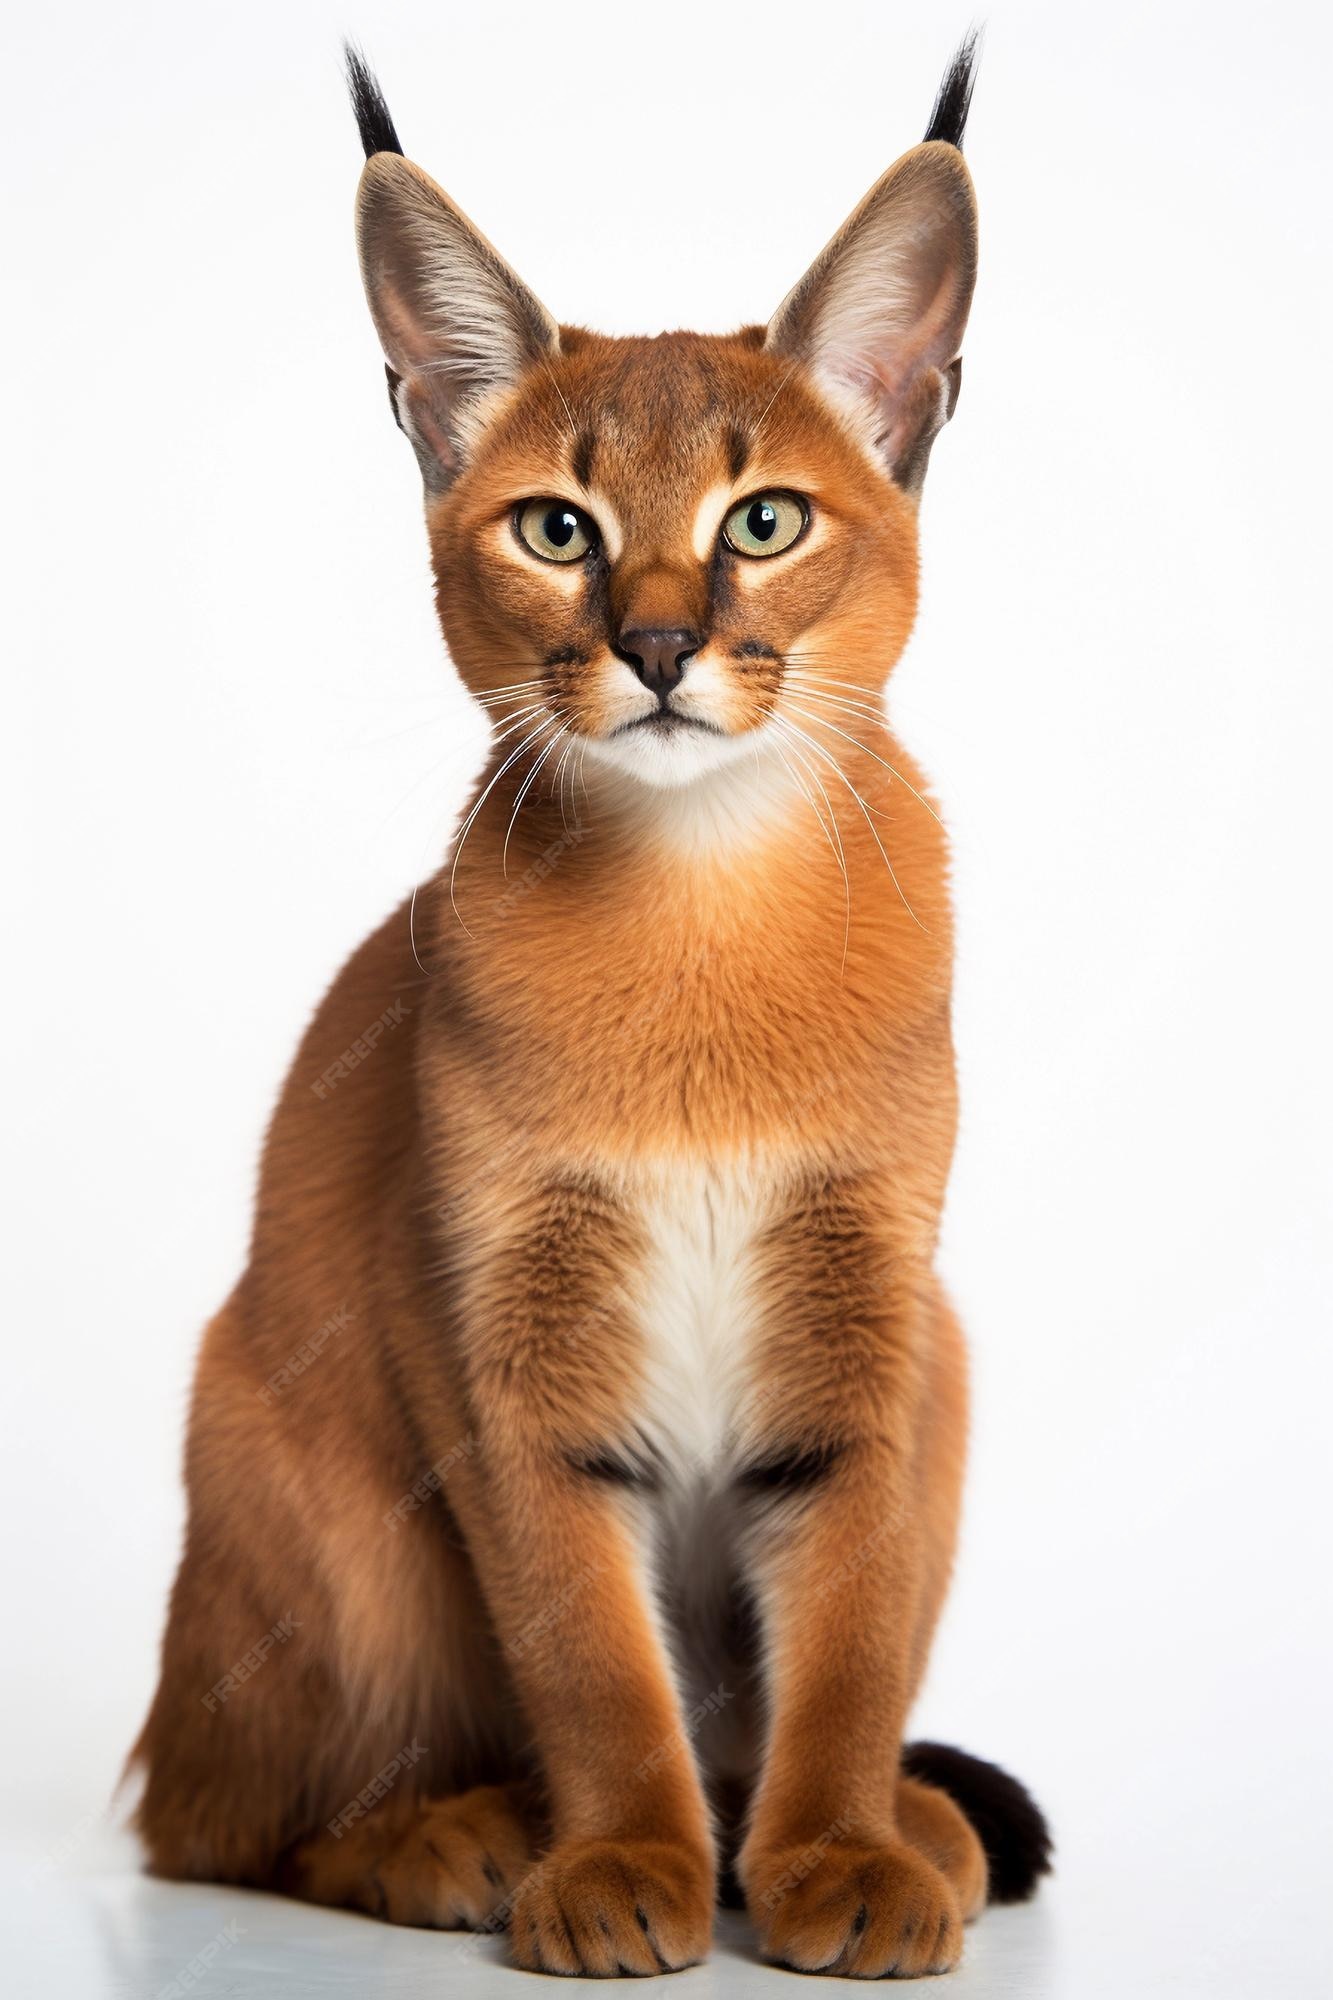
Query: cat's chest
{"x":698,"y":1301}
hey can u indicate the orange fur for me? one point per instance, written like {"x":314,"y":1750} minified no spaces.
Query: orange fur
{"x":618,"y":1007}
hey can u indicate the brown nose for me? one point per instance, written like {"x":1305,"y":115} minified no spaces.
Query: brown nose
{"x":658,"y":658}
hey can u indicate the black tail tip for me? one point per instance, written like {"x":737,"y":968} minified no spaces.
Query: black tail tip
{"x":1008,"y":1819}
{"x":953,"y":100}
{"x":372,"y":113}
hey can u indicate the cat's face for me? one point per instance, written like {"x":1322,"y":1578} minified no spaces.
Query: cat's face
{"x":660,"y":550}
{"x":661,"y":540}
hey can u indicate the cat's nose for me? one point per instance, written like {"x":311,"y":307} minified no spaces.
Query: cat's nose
{"x":658,"y":658}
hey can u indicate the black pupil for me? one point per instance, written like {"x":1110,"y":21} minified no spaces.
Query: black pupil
{"x":762,"y":521}
{"x":560,"y":527}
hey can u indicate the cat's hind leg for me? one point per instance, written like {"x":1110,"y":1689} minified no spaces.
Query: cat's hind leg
{"x":442,"y":1864}
{"x":929,"y":1821}
{"x":333,"y":1716}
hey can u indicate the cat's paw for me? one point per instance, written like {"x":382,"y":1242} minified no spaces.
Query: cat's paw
{"x":599,"y":1908}
{"x":857,"y":1912}
{"x":457,"y":1864}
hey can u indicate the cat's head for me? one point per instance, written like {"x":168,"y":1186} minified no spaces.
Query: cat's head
{"x":665,"y":547}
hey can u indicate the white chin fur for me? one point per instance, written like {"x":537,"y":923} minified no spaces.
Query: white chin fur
{"x":700,"y":794}
{"x":667,"y":762}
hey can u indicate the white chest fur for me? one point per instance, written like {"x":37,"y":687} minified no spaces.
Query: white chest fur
{"x":699,"y":1314}
{"x":698,"y":1309}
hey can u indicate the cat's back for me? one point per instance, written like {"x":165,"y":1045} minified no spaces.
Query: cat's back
{"x":348,"y":1096}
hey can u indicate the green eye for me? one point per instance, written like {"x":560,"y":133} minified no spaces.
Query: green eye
{"x":555,"y":531}
{"x":766,"y":525}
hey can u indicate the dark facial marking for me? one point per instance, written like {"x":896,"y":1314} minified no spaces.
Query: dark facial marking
{"x":597,"y":595}
{"x":614,"y":1468}
{"x":753,"y":649}
{"x":721,"y":581}
{"x":585,"y":444}
{"x":738,"y":451}
{"x":789,"y":1473}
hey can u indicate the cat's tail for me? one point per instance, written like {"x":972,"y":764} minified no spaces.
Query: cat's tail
{"x":1007,"y":1819}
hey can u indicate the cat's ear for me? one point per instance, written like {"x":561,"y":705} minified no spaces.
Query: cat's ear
{"x":454,"y":321}
{"x":879,"y":316}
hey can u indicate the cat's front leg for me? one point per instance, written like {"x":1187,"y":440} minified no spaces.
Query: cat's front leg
{"x":627,"y":1884}
{"x":831,"y":1882}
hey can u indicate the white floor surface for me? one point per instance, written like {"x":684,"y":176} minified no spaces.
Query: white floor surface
{"x":86,"y":1925}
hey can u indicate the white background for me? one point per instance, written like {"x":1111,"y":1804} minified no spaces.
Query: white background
{"x":233,"y":743}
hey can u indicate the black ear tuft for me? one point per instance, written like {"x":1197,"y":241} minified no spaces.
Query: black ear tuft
{"x":954,"y":98}
{"x":1010,"y":1823}
{"x":372,"y":113}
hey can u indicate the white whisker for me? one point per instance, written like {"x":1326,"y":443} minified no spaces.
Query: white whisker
{"x":756,"y":428}
{"x":805,"y":792}
{"x":514,"y":722}
{"x":837,"y":834}
{"x":493,"y":696}
{"x":825,"y":724}
{"x":512,"y":758}
{"x":521,"y":795}
{"x":834,"y":765}
{"x":816,"y":683}
{"x":558,"y":782}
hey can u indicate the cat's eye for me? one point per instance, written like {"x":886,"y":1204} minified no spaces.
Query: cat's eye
{"x":555,"y":531}
{"x":765,"y":525}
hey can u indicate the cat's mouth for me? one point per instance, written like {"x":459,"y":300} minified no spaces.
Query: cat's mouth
{"x":667,"y":722}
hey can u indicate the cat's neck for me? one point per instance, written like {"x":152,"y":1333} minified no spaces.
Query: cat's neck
{"x":784,"y":836}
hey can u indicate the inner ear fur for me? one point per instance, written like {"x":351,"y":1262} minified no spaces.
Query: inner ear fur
{"x":455,"y":322}
{"x":880,"y":313}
